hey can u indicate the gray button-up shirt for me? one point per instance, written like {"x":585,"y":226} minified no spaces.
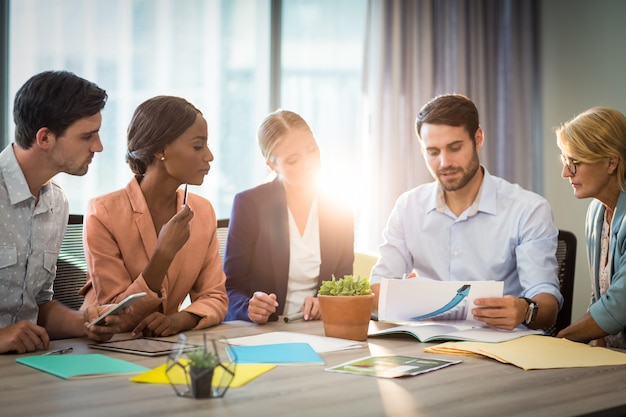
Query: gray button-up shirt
{"x":30,"y":240}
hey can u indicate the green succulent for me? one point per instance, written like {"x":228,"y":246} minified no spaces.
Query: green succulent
{"x":347,"y":285}
{"x":201,"y":358}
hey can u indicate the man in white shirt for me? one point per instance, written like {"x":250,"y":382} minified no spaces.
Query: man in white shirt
{"x":469,"y":225}
{"x":57,"y":116}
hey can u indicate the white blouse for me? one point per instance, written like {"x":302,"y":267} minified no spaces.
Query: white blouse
{"x":304,"y":261}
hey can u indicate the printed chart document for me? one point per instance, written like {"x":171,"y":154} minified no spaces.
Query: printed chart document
{"x":441,"y":331}
{"x":417,"y":299}
{"x":391,"y":366}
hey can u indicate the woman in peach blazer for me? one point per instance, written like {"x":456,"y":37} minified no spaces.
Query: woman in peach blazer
{"x":144,"y":238}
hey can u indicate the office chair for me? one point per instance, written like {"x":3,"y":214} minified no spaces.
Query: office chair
{"x":566,"y":259}
{"x":222,"y":234}
{"x":363,"y":263}
{"x":71,"y":265}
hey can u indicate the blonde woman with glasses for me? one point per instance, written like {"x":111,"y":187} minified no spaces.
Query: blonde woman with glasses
{"x":593,"y":152}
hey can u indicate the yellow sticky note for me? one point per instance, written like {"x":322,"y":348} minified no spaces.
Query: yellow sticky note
{"x":244,"y":373}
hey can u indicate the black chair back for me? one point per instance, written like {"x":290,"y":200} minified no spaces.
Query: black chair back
{"x":71,"y":265}
{"x":222,"y":235}
{"x":566,"y":259}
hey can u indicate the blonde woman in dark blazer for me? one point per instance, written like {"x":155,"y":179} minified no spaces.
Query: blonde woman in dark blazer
{"x":285,"y":236}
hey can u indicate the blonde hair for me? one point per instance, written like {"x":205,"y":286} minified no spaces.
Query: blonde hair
{"x":274,"y":128}
{"x":595,"y":134}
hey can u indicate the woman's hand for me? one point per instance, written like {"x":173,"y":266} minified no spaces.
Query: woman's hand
{"x":261,"y":306}
{"x":175,"y":233}
{"x":311,"y":308}
{"x":158,"y":324}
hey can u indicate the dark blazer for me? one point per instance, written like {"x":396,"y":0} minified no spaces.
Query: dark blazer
{"x":257,"y":249}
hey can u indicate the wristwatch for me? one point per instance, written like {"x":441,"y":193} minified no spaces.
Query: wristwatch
{"x":531,"y":313}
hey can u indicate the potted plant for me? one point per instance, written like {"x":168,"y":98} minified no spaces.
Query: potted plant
{"x":202,"y":363}
{"x":346,"y":307}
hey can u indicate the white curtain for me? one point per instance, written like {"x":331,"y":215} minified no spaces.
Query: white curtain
{"x":418,"y":49}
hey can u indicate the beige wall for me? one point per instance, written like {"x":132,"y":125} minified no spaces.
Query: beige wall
{"x":583,"y":65}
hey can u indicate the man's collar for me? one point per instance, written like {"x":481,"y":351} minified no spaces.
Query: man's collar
{"x":485,"y":204}
{"x":17,"y":187}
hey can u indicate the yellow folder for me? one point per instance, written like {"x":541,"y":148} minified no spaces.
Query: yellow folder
{"x":536,"y":352}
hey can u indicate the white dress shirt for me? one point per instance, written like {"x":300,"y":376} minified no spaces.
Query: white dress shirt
{"x":304,"y":261}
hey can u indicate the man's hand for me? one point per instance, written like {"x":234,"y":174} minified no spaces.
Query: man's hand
{"x":261,"y":306}
{"x":23,"y":337}
{"x":502,"y":312}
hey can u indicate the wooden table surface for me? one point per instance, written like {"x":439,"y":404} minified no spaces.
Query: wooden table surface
{"x":476,"y":387}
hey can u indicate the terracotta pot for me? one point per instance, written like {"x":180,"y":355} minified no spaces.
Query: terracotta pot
{"x":346,"y":317}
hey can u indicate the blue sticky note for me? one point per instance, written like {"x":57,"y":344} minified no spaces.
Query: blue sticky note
{"x":279,"y":353}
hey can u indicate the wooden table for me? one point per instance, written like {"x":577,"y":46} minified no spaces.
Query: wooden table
{"x":476,"y":387}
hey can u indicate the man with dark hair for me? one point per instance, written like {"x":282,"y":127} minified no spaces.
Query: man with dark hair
{"x":469,"y":225}
{"x":57,"y":116}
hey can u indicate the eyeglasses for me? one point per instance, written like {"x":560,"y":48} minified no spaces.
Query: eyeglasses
{"x":187,"y":383}
{"x":572,"y":164}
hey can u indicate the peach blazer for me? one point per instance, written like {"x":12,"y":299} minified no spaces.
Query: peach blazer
{"x":120,"y":237}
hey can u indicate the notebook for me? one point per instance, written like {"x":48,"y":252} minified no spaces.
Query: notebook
{"x":81,"y":366}
{"x":278,"y":353}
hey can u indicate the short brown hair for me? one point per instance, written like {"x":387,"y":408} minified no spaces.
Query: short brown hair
{"x":450,"y":110}
{"x":54,"y":99}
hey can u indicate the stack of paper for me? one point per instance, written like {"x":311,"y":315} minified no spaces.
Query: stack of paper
{"x":536,"y":352}
{"x":320,"y":344}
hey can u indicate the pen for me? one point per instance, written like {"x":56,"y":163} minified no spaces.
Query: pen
{"x":59,"y":351}
{"x":185,"y":196}
{"x":294,"y":317}
{"x":412,"y":274}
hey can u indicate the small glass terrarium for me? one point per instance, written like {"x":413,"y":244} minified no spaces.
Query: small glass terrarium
{"x":198,"y":371}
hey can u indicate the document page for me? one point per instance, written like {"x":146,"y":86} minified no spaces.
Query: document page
{"x":438,"y":331}
{"x":417,"y":299}
{"x":320,"y":344}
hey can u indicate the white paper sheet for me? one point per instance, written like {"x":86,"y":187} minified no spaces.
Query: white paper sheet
{"x":401,"y":300}
{"x":320,"y":344}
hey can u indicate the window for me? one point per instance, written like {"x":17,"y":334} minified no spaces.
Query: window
{"x":322,"y":58}
{"x":216,"y":54}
